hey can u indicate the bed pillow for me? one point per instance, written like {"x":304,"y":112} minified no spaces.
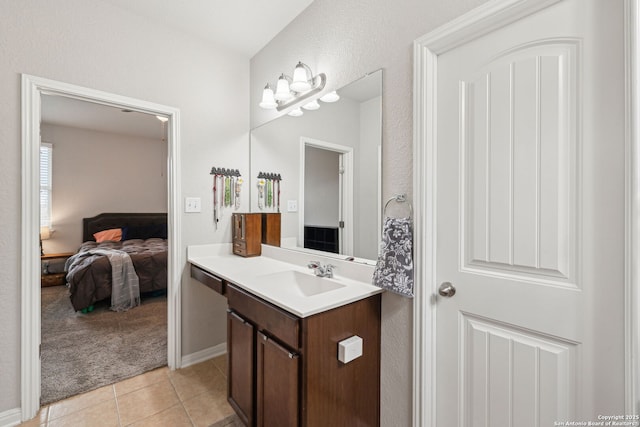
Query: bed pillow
{"x":113,"y":234}
{"x":144,"y":231}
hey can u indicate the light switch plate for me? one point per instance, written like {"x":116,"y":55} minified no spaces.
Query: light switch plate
{"x":192,"y":204}
{"x":292,"y":206}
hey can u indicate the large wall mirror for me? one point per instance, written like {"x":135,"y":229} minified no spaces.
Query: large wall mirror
{"x":329,"y":160}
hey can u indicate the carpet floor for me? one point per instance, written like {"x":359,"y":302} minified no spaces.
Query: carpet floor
{"x":82,"y":352}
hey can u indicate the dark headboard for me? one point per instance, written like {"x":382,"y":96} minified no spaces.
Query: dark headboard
{"x":105,"y":221}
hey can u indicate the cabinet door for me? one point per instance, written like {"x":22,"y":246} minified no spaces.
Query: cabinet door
{"x":277,"y":384}
{"x":240,"y":341}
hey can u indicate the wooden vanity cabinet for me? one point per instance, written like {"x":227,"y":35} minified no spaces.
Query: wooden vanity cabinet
{"x":295,"y":377}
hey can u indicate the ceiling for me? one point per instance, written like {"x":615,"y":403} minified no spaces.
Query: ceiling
{"x":64,"y":111}
{"x":243,"y":26}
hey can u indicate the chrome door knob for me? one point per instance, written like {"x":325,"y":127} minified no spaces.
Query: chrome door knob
{"x":446,"y":289}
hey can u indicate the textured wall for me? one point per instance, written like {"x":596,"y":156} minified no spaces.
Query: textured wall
{"x":345,"y":40}
{"x":91,"y":43}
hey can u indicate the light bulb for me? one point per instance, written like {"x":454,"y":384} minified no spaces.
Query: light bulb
{"x":296,"y":112}
{"x":300,"y":81}
{"x":330,"y":97}
{"x":283,"y":93}
{"x":268,"y":101}
{"x":313,"y":105}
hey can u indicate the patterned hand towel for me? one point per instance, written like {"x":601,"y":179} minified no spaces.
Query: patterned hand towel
{"x":394,"y":269}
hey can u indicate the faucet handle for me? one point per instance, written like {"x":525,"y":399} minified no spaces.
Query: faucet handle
{"x":313,"y":264}
{"x":328,"y":270}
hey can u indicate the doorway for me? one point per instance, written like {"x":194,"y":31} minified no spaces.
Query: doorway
{"x":326,"y":196}
{"x":94,"y":151}
{"x":32,"y":90}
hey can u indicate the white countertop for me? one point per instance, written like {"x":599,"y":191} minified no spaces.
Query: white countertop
{"x":248,"y":274}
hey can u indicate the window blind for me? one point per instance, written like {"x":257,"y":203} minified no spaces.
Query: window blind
{"x":46,"y":151}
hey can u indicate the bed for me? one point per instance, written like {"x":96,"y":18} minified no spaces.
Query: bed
{"x":144,"y":238}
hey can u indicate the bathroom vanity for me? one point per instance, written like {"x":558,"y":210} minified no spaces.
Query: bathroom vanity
{"x":285,"y":326}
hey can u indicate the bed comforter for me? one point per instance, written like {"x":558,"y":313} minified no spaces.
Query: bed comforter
{"x":89,"y":279}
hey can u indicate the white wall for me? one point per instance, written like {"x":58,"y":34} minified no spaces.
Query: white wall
{"x":345,"y":40}
{"x":366,"y":198}
{"x":322,"y":185}
{"x":92,"y":174}
{"x":97,"y":45}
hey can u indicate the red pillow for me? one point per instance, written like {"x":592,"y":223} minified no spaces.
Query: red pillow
{"x":113,"y":234}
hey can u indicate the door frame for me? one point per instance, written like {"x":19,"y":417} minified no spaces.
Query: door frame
{"x":346,"y":197}
{"x":32,"y":89}
{"x":487,"y":17}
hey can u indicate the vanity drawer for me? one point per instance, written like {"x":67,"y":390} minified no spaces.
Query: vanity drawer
{"x":208,"y":279}
{"x":278,"y":323}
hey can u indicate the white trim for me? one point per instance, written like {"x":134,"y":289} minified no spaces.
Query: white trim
{"x":202,"y":355}
{"x":632,"y":208}
{"x":10,"y":418}
{"x":481,"y":20}
{"x":346,"y":234}
{"x":32,"y":89}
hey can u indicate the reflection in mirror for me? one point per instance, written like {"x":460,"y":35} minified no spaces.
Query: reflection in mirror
{"x":329,"y":160}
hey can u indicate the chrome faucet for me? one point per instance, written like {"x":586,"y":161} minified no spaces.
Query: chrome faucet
{"x":321,"y":270}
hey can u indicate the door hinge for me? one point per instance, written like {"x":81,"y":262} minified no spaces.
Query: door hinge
{"x":341,"y":224}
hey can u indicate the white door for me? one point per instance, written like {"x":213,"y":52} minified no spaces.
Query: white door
{"x":530,"y":220}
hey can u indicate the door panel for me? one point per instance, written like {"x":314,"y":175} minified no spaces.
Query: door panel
{"x":241,"y":339}
{"x":518,"y":147}
{"x":532,"y":373}
{"x":529,"y":219}
{"x":277,"y":384}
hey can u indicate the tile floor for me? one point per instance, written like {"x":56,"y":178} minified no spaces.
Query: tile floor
{"x":193,"y":396}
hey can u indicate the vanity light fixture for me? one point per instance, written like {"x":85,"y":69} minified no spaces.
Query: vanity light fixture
{"x":290,"y":91}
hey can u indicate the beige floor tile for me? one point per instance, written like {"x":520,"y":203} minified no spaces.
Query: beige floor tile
{"x":80,"y":402}
{"x":176,"y":416}
{"x":191,"y":384}
{"x":147,"y":401}
{"x":208,"y":408}
{"x":141,"y":381}
{"x":221,"y":363}
{"x":197,"y":369}
{"x":103,"y":414}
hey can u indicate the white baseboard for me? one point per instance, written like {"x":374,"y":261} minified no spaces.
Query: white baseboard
{"x":9,"y":418}
{"x":202,"y":355}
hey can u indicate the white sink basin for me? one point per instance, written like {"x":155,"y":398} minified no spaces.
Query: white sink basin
{"x":298,"y":283}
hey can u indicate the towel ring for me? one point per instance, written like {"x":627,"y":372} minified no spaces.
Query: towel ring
{"x":398,"y":198}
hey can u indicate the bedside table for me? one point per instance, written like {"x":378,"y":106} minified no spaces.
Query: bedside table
{"x":52,"y":269}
